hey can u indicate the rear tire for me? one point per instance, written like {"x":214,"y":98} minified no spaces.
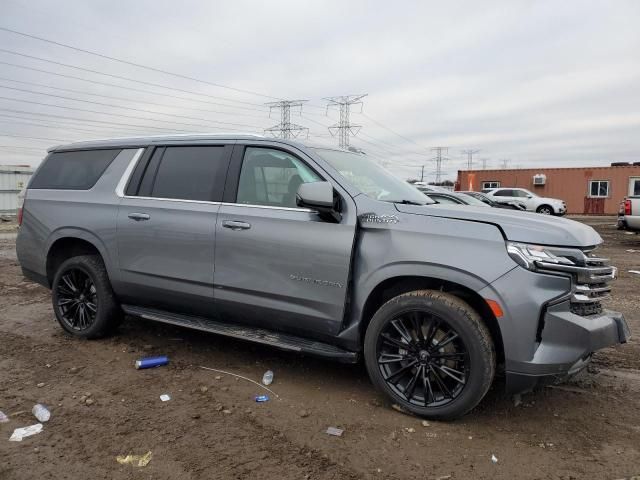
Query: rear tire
{"x":430,"y":353}
{"x":83,"y":300}
{"x":545,"y":210}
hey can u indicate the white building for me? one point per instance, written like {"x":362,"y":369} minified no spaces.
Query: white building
{"x":13,"y":178}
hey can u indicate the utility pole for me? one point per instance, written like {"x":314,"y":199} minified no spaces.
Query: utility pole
{"x":286,"y":129}
{"x":469,"y":153}
{"x":438,"y":159}
{"x":344,"y":128}
{"x":505,"y":163}
{"x":422,"y":174}
{"x":484,"y":163}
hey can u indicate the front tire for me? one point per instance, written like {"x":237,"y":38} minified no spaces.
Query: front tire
{"x":430,"y":353}
{"x":545,"y":210}
{"x":83,"y":301}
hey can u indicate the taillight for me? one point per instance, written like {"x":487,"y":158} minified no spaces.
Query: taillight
{"x":627,"y":207}
{"x":19,"y":215}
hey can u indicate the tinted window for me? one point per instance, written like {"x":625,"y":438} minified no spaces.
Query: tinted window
{"x":520,"y":193}
{"x":190,"y":173}
{"x":79,"y":170}
{"x":504,"y":193}
{"x":272,"y":177}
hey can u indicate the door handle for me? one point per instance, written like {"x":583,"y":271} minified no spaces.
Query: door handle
{"x":139,"y":216}
{"x":236,"y":225}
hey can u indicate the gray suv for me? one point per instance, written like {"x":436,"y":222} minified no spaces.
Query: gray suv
{"x":317,"y":251}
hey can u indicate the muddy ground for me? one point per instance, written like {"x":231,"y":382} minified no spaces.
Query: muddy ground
{"x":212,"y":427}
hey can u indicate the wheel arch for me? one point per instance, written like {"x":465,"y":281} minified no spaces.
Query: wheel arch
{"x":397,"y":285}
{"x":69,"y":243}
{"x":540,"y":207}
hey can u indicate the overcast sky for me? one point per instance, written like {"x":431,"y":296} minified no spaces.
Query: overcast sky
{"x":540,"y":83}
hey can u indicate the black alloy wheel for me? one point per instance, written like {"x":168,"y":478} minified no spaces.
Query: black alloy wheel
{"x":431,"y":353}
{"x":77,"y":299}
{"x":423,"y":359}
{"x":82,"y":297}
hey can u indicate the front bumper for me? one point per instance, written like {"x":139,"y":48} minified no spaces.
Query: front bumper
{"x":566,"y":345}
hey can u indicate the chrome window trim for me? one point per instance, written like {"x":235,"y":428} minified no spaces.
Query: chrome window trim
{"x":132,"y":165}
{"x":127,"y":173}
{"x":270,"y":207}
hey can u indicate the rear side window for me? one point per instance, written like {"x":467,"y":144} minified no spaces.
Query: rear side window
{"x":186,"y":173}
{"x":504,"y":193}
{"x":78,"y":170}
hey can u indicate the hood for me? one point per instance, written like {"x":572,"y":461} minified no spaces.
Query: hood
{"x":517,"y":226}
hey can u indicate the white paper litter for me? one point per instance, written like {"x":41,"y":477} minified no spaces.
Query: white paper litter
{"x":336,"y":432}
{"x":3,"y":418}
{"x":24,"y":432}
{"x":494,"y":459}
{"x":165,"y":398}
{"x":637,"y":272}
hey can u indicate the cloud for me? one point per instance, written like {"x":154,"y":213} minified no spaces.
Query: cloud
{"x":541,"y":83}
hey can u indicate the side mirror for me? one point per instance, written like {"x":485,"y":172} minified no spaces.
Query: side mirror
{"x":529,"y":196}
{"x":321,"y":197}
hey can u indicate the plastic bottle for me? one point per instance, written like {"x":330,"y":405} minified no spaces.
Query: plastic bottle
{"x":267,"y":378}
{"x":41,"y":412}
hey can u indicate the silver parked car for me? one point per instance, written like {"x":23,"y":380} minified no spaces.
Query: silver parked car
{"x":317,"y":251}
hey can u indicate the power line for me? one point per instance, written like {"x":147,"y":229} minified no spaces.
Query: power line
{"x":146,"y":128}
{"x":120,"y":77}
{"x":113,"y":114}
{"x":286,"y":129}
{"x":125,"y":99}
{"x":127,"y":108}
{"x":126,"y":62}
{"x":33,"y":138}
{"x":394,"y":132}
{"x":470,"y":153}
{"x":344,"y":128}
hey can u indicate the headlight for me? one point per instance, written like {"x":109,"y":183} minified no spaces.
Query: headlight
{"x":526,"y":255}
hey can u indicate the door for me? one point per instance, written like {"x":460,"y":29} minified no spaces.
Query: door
{"x":634,"y":186}
{"x":166,"y":228}
{"x":277,"y":265}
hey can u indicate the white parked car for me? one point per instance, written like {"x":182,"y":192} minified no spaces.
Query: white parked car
{"x":531,"y":201}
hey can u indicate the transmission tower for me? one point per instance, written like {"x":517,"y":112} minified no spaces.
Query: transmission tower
{"x":484,"y":163}
{"x":505,"y":163}
{"x":344,"y":128}
{"x":286,"y":129}
{"x":469,"y":153}
{"x":438,"y":159}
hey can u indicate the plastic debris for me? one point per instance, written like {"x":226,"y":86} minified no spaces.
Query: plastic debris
{"x":262,"y":398}
{"x":517,"y":400}
{"x":135,"y":460}
{"x":336,"y":432}
{"x":41,"y":412}
{"x":165,"y":397}
{"x":3,"y":418}
{"x":494,"y":459}
{"x":637,"y":272}
{"x":243,"y":378}
{"x":151,"y":362}
{"x":267,"y":378}
{"x":425,"y":423}
{"x":24,"y":432}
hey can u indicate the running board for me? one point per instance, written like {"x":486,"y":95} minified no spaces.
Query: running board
{"x":279,"y":340}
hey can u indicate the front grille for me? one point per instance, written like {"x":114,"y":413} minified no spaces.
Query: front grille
{"x":591,"y":278}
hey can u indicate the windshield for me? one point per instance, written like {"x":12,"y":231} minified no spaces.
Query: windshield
{"x":471,"y":200}
{"x":371,"y":179}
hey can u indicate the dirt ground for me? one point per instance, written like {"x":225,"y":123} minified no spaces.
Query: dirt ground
{"x":212,"y":427}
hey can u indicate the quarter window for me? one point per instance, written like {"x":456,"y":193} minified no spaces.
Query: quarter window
{"x":491,"y":184}
{"x":272,"y":177}
{"x":189,"y":173}
{"x":599,"y":188}
{"x":77,"y":170}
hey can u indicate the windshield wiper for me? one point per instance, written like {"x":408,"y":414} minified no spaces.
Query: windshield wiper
{"x":409,"y":202}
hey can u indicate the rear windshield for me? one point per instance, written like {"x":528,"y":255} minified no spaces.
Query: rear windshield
{"x":78,"y":170}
